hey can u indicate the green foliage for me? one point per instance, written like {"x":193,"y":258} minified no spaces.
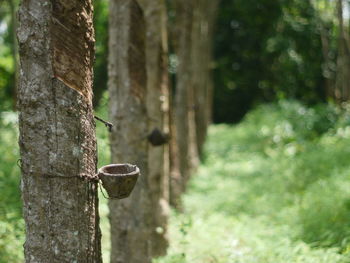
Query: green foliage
{"x":11,"y":222}
{"x":274,"y":188}
{"x":266,"y":50}
{"x":7,"y":73}
{"x":101,"y":49}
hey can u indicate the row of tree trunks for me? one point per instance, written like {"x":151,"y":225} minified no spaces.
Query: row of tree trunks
{"x":130,"y":218}
{"x":57,"y":132}
{"x":184,"y":90}
{"x":157,"y":109}
{"x":194,"y":25}
{"x":59,"y":181}
{"x":202,"y":33}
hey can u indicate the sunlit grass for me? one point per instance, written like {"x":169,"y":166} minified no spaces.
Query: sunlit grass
{"x":273,"y":189}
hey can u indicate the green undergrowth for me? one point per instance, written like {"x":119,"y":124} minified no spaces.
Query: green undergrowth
{"x":11,"y":222}
{"x":273,"y":189}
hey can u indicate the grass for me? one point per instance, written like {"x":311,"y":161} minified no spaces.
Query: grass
{"x":273,"y":189}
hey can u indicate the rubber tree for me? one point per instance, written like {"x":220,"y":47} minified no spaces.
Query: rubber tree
{"x":130,"y":218}
{"x":157,"y":102}
{"x":342,"y":89}
{"x":191,"y":32}
{"x":184,"y":95}
{"x":57,"y":131}
{"x":204,"y":15}
{"x":175,"y":177}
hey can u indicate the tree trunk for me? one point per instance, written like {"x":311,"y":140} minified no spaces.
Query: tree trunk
{"x":130,"y":218}
{"x":165,"y":88}
{"x":175,"y":182}
{"x":203,"y":25}
{"x":327,"y":60}
{"x":212,"y":10}
{"x":157,"y":99}
{"x":184,"y":104}
{"x":57,"y":132}
{"x":343,"y":59}
{"x":325,"y":29}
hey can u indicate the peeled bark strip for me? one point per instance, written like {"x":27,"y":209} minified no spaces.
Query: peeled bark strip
{"x":130,"y":218}
{"x":68,"y":26}
{"x":57,"y":134}
{"x":157,"y":99}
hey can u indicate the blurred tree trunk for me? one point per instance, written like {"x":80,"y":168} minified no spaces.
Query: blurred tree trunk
{"x":326,"y":28}
{"x":175,"y":183}
{"x":57,"y":132}
{"x":203,"y":26}
{"x":157,"y":103}
{"x":130,"y":218}
{"x":343,"y":59}
{"x":184,"y":95}
{"x":326,"y":68}
{"x":166,"y":105}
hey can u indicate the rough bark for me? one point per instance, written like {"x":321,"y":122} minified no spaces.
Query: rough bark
{"x":157,"y":104}
{"x":130,"y":218}
{"x":57,"y":132}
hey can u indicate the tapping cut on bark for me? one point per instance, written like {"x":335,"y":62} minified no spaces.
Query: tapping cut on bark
{"x":72,"y":24}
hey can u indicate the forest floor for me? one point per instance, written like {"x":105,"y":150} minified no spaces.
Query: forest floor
{"x":274,"y":188}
